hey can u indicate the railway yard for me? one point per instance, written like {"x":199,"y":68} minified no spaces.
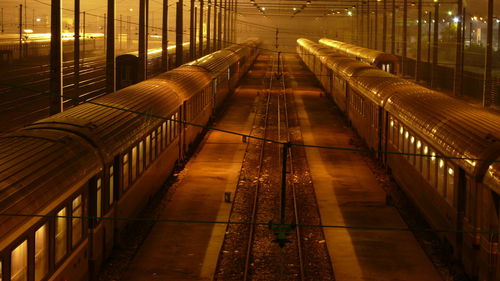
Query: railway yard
{"x":249,"y":140}
{"x":234,"y":179}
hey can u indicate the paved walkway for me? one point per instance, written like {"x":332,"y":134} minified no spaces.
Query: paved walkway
{"x":348,"y":194}
{"x":189,"y":251}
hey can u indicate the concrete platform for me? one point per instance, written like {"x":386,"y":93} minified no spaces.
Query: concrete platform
{"x":348,"y":194}
{"x":189,"y":251}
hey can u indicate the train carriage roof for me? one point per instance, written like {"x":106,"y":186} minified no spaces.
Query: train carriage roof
{"x":219,"y":61}
{"x":116,"y":122}
{"x":216,"y":62}
{"x":36,"y":167}
{"x":454,"y":127}
{"x":306,"y":43}
{"x":346,"y":67}
{"x":367,"y":55}
{"x":243,"y":49}
{"x":369,"y":81}
{"x":186,"y":80}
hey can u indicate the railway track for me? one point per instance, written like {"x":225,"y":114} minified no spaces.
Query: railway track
{"x":250,"y":251}
{"x":261,"y":251}
{"x":23,"y":106}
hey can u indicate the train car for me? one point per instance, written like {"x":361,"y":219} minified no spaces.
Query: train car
{"x":458,"y":143}
{"x":127,"y":65}
{"x":440,"y":150}
{"x":65,"y":178}
{"x":384,"y":61}
{"x":38,"y":45}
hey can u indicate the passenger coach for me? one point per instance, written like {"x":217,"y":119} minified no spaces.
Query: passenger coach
{"x":65,"y":179}
{"x":440,"y":150}
{"x":384,"y":61}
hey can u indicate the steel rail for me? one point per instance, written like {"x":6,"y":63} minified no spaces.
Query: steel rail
{"x":252,"y":225}
{"x":294,"y":196}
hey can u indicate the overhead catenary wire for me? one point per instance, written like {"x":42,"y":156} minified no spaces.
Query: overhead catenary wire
{"x":159,"y":220}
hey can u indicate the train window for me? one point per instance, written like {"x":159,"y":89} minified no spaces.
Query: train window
{"x":411,"y":150}
{"x":76,"y":220}
{"x":141,"y":156}
{"x":172,"y":127}
{"x":0,"y":270}
{"x":41,"y":252}
{"x":153,"y":145}
{"x":450,"y":189}
{"x":406,"y":144}
{"x":99,"y":198}
{"x":400,"y":141}
{"x":158,"y":140}
{"x":111,"y":185}
{"x":125,"y":173}
{"x":425,"y":163}
{"x":393,"y":132}
{"x":432,"y":169}
{"x":418,"y":157}
{"x":148,"y":145}
{"x":19,"y":263}
{"x":61,"y":232}
{"x":133,"y":163}
{"x":163,"y":135}
{"x":441,"y":177}
{"x":169,"y":132}
{"x":176,"y":125}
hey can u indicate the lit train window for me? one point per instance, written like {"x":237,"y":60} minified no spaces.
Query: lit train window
{"x":19,"y":263}
{"x":76,"y":220}
{"x":169,"y":131}
{"x":432,"y":169}
{"x":176,"y":125}
{"x":41,"y":252}
{"x":400,"y":141}
{"x":125,"y":173}
{"x":450,"y":189}
{"x":425,"y":163}
{"x":163,"y":135}
{"x":99,"y":198}
{"x":61,"y":232}
{"x":441,"y":177}
{"x":133,"y":163}
{"x":406,"y":144}
{"x":418,"y":158}
{"x":148,"y":144}
{"x":173,"y":126}
{"x":141,"y":156}
{"x":158,"y":140}
{"x":411,"y":150}
{"x":111,"y":185}
{"x":153,"y":145}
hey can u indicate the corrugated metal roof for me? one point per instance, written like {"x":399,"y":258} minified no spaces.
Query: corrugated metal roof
{"x":370,"y":56}
{"x":216,"y":62}
{"x":115,"y":123}
{"x":186,"y":80}
{"x":454,"y":127}
{"x":41,"y":165}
